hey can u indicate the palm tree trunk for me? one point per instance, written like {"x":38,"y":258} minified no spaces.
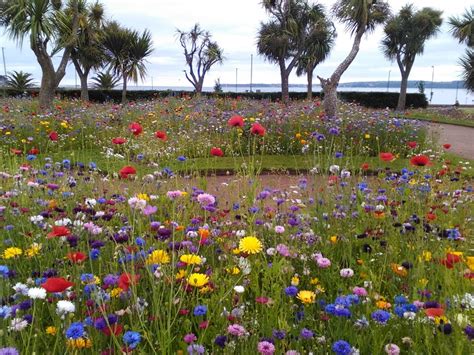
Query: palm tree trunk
{"x":403,"y":93}
{"x":84,"y":88}
{"x":124,"y":88}
{"x":330,"y":99}
{"x":285,"y":95}
{"x":309,"y":75}
{"x":48,"y":89}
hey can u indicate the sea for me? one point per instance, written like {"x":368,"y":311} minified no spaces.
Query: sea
{"x":440,"y":96}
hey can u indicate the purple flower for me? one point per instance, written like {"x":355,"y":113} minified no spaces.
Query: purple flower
{"x":266,"y":348}
{"x":380,"y":316}
{"x":342,"y":347}
{"x":306,"y":333}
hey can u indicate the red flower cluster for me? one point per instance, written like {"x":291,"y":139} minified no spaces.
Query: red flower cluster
{"x":420,"y":160}
{"x":236,"y":121}
{"x":257,"y":129}
{"x":135,"y":128}
{"x":386,"y":156}
{"x":59,"y":231}
{"x":126,"y":171}
{"x":161,"y":135}
{"x":53,"y":135}
{"x":119,"y":140}
{"x":56,"y":284}
{"x":217,"y":152}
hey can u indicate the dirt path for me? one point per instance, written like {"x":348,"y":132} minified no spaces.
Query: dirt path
{"x":460,"y":138}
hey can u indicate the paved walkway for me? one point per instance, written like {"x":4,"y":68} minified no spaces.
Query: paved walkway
{"x":460,"y":138}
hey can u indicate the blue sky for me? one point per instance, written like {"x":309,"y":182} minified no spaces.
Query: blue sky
{"x":234,"y":25}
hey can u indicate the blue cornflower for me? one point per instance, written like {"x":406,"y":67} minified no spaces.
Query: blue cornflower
{"x":30,"y":157}
{"x":94,"y":254}
{"x":100,"y":323}
{"x":132,"y":339}
{"x":87,"y":278}
{"x":342,"y":347}
{"x":330,"y":308}
{"x":4,"y":271}
{"x":92,"y":165}
{"x":291,"y":291}
{"x":200,"y":310}
{"x":140,"y":241}
{"x":342,"y":312}
{"x":5,"y":312}
{"x":306,"y":333}
{"x":75,"y":331}
{"x":9,"y":351}
{"x":182,"y":158}
{"x":220,"y":340}
{"x":196,"y":349}
{"x":380,"y":316}
{"x":279,"y":334}
{"x":400,"y":299}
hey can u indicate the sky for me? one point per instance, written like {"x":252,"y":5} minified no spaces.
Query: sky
{"x":234,"y":25}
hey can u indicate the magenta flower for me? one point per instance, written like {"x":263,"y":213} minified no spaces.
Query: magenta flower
{"x":266,"y":348}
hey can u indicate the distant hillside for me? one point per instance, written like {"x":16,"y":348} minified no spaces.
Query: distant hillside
{"x":368,"y":84}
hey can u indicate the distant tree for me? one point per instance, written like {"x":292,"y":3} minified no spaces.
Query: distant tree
{"x":105,"y":81}
{"x":293,"y":26}
{"x":360,"y":17}
{"x":20,"y":81}
{"x":201,"y":53}
{"x":43,"y":21}
{"x":421,"y":87}
{"x":320,"y":40}
{"x":87,"y":53}
{"x":218,"y":86}
{"x":462,"y":28}
{"x":405,"y":37}
{"x":126,"y":50}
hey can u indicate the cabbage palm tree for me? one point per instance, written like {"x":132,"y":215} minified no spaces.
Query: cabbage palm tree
{"x":105,"y":81}
{"x":317,"y":49}
{"x":126,"y":51}
{"x":42,"y":21}
{"x":87,"y":53}
{"x":462,"y":28}
{"x":405,"y":37}
{"x":20,"y":81}
{"x":283,"y":39}
{"x":360,"y":17}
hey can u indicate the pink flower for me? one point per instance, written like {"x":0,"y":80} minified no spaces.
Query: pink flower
{"x":206,"y":199}
{"x":279,"y":229}
{"x":190,"y":338}
{"x":282,"y":249}
{"x":323,"y":263}
{"x":359,"y":291}
{"x":266,"y":348}
{"x":149,"y":210}
{"x":392,"y":349}
{"x":346,"y":273}
{"x":236,"y":329}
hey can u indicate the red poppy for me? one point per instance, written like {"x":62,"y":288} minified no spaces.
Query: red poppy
{"x":431,"y":216}
{"x":236,"y":121}
{"x":434,"y":312}
{"x":365,"y":166}
{"x":450,"y":260}
{"x":56,"y":284}
{"x":16,"y":151}
{"x":59,"y":231}
{"x":446,"y":146}
{"x":126,"y":280}
{"x":217,"y":152}
{"x":77,"y":257}
{"x":126,"y":171}
{"x":119,"y":140}
{"x":161,"y":135}
{"x":54,"y":136}
{"x":412,"y":144}
{"x":115,"y":329}
{"x":386,"y":156}
{"x":262,"y":300}
{"x":34,"y":151}
{"x":420,"y":160}
{"x":135,"y":128}
{"x":257,"y":129}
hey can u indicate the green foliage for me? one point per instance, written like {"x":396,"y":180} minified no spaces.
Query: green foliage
{"x":105,"y":81}
{"x":421,"y":87}
{"x":467,"y":63}
{"x":361,"y":15}
{"x":20,"y":81}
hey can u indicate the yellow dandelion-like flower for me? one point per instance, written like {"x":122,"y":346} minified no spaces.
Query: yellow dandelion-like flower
{"x":233,"y":271}
{"x":314,"y":281}
{"x":12,"y":252}
{"x":425,"y":256}
{"x":33,"y":250}
{"x":115,"y":292}
{"x":181,"y":274}
{"x":158,"y":257}
{"x":198,"y":280}
{"x":250,"y":245}
{"x":333,"y":239}
{"x":236,"y":251}
{"x":205,"y":289}
{"x":191,"y":259}
{"x":51,"y":330}
{"x":306,"y":297}
{"x":470,"y":262}
{"x":295,"y":280}
{"x":80,"y":343}
{"x":144,"y":197}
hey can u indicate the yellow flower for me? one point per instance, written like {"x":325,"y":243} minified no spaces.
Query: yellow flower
{"x":333,"y":239}
{"x":423,"y":282}
{"x":233,"y":271}
{"x":425,"y":256}
{"x":191,"y":259}
{"x":158,"y":257}
{"x":250,"y":245}
{"x":143,"y":197}
{"x":80,"y":343}
{"x":470,"y":262}
{"x":51,"y":330}
{"x":115,"y":292}
{"x":298,"y":135}
{"x":198,"y":280}
{"x":314,"y":281}
{"x":295,"y":280}
{"x":181,"y":274}
{"x":236,"y":251}
{"x":33,"y":250}
{"x":383,"y":304}
{"x":12,"y":252}
{"x":306,"y":297}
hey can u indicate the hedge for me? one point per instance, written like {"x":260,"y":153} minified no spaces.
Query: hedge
{"x":366,"y":99}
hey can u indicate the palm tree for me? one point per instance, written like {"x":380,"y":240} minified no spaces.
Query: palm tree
{"x":200,"y":53}
{"x":105,"y":81}
{"x":20,"y":81}
{"x":284,"y":38}
{"x":42,"y":21}
{"x":405,"y":37}
{"x":87,"y":52}
{"x":127,"y":50}
{"x":463,"y":29}
{"x":360,"y":17}
{"x":318,"y":47}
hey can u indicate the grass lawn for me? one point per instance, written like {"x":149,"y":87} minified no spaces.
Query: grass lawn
{"x":427,"y":115}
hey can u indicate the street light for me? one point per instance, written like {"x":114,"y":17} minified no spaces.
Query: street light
{"x":388,"y":81}
{"x":432,"y":80}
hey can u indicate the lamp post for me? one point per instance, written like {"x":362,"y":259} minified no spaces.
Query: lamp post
{"x":432,"y":80}
{"x":388,"y":81}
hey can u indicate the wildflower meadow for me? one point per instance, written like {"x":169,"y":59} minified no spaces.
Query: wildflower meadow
{"x":174,"y":226}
